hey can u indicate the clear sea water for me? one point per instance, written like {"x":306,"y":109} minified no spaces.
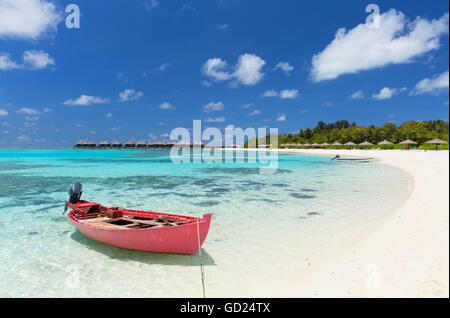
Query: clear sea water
{"x":266,"y":228}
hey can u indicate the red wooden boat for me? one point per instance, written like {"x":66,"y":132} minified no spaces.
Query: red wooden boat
{"x":139,"y":230}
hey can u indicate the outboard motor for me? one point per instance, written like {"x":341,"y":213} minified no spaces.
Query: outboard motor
{"x":75,"y":192}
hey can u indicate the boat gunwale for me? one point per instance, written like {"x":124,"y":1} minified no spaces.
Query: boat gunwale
{"x":192,"y":220}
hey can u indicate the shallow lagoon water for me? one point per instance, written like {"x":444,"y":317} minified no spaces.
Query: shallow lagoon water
{"x":264,"y":225}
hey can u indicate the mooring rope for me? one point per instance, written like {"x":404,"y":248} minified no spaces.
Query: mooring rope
{"x":200,"y":255}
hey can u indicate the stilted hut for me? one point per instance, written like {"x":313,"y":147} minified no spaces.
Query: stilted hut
{"x":91,"y":145}
{"x":80,"y":144}
{"x":130,"y":144}
{"x":116,"y":145}
{"x":141,"y":144}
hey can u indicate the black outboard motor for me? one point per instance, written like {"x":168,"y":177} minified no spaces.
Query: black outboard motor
{"x":75,"y":192}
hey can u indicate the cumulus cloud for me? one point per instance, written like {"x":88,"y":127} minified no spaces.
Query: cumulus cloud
{"x":166,"y":105}
{"x":214,"y":120}
{"x":281,"y":118}
{"x":28,"y":111}
{"x":86,"y":100}
{"x":289,"y":94}
{"x":213,"y":107}
{"x":31,"y":60}
{"x":247,"y":71}
{"x":129,"y":95}
{"x":6,"y":63}
{"x":357,"y":95}
{"x":3,"y":112}
{"x":270,"y":93}
{"x":28,"y":19}
{"x":432,"y":85}
{"x":255,"y":112}
{"x":284,"y":94}
{"x":37,"y":59}
{"x":386,"y":93}
{"x":396,"y":41}
{"x":285,"y":67}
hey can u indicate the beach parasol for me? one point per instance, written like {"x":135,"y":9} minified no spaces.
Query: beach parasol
{"x":408,"y":142}
{"x":325,"y":144}
{"x":385,"y":143}
{"x":436,"y":142}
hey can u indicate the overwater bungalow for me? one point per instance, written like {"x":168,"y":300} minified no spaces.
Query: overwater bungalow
{"x":80,"y":144}
{"x":141,"y":144}
{"x":116,"y":145}
{"x":104,"y":144}
{"x":130,"y":144}
{"x":91,"y":145}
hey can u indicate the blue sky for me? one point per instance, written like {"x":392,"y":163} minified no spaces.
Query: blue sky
{"x":139,"y":68}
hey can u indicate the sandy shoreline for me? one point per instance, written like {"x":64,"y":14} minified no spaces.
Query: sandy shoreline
{"x":408,"y":255}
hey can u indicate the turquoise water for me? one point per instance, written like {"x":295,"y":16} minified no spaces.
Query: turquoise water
{"x":263,"y":227}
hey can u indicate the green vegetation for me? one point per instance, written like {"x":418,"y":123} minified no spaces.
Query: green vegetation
{"x":342,"y":131}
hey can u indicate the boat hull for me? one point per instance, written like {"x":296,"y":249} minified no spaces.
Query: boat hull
{"x":181,"y":239}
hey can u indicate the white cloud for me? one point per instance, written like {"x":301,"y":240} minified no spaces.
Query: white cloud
{"x":28,"y":111}
{"x":396,"y":41}
{"x":37,"y":59}
{"x":152,"y":136}
{"x":231,"y":126}
{"x":248,"y":105}
{"x":47,"y":110}
{"x":151,"y":4}
{"x":285,"y":67}
{"x":214,"y":120}
{"x":222,"y":26}
{"x":166,"y":105}
{"x":284,"y":94}
{"x":386,"y":93}
{"x":108,"y":115}
{"x":281,"y":118}
{"x":28,"y":19}
{"x":6,"y":63}
{"x":129,"y":95}
{"x":213,"y":107}
{"x":433,"y":85}
{"x":86,"y":100}
{"x":115,"y":128}
{"x":3,"y":112}
{"x":31,"y":118}
{"x":206,"y":83}
{"x":23,"y":138}
{"x":32,"y":60}
{"x":163,"y":67}
{"x":248,"y":70}
{"x":255,"y":112}
{"x":270,"y":93}
{"x":357,"y":95}
{"x":289,"y":94}
{"x":329,"y":104}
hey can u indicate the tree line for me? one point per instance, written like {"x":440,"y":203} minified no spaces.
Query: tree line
{"x":342,"y":131}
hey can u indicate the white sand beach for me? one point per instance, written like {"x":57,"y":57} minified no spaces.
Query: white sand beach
{"x":406,"y":256}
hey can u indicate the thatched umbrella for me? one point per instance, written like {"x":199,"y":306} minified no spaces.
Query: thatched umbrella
{"x":408,"y":142}
{"x":351,"y":144}
{"x":436,"y":142}
{"x":116,"y":144}
{"x":325,"y":144}
{"x":315,"y":144}
{"x":385,"y":143}
{"x":336,"y":144}
{"x":141,"y":144}
{"x":307,"y":145}
{"x":91,"y":144}
{"x":299,"y":145}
